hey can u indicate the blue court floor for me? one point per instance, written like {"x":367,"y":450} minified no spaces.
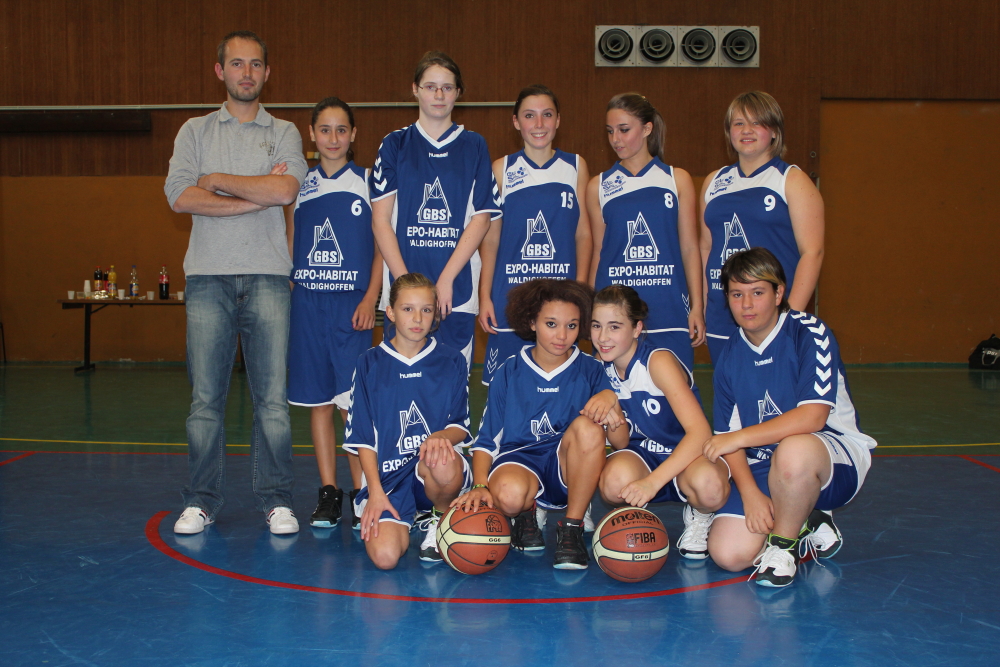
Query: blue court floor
{"x":92,"y":574}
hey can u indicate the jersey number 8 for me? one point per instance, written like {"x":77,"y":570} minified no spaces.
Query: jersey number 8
{"x":668,"y":199}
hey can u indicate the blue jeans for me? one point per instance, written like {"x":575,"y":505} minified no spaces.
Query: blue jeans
{"x":256,"y":307}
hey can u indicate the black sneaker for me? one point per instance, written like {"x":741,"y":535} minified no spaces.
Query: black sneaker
{"x":355,"y":519}
{"x":524,"y":532}
{"x":327,"y":512}
{"x":571,"y":551}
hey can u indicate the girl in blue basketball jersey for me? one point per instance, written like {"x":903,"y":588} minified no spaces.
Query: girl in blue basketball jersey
{"x":762,"y":201}
{"x":408,"y":420}
{"x":786,"y":425}
{"x":659,"y":458}
{"x":545,"y":232}
{"x":543,"y":430}
{"x":337,"y":272}
{"x":433,"y":197}
{"x":645,"y":229}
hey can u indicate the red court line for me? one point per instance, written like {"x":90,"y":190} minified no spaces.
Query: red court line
{"x":16,"y":458}
{"x":153,"y":535}
{"x":979,"y":463}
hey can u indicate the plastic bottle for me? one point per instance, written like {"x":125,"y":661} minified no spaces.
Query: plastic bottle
{"x":164,"y":284}
{"x":112,"y":283}
{"x":133,"y":284}
{"x":98,"y":280}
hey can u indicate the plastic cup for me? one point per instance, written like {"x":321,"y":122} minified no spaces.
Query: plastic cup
{"x":71,"y":294}
{"x":86,"y":288}
{"x":180,"y":296}
{"x":149,"y":296}
{"x":121,"y":294}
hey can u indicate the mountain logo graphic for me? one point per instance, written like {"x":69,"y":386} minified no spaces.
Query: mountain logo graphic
{"x":434,"y":210}
{"x":736,"y":239}
{"x":542,"y":427}
{"x":767,"y":408}
{"x":412,"y":430}
{"x":325,"y":250}
{"x":641,"y":247}
{"x":538,"y":242}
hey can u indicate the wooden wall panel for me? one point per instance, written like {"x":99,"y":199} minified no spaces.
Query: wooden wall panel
{"x":117,"y":52}
{"x":910,"y":266}
{"x":939,"y":50}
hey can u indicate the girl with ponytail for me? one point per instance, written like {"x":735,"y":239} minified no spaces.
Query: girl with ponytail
{"x":642,"y":213}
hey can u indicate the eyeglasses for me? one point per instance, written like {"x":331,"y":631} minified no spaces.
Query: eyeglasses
{"x":433,"y":88}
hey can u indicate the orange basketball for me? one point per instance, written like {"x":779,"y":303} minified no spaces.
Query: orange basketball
{"x":473,"y":543}
{"x":631,"y":544}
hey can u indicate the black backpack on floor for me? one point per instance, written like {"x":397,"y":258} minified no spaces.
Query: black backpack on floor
{"x":987,"y":355}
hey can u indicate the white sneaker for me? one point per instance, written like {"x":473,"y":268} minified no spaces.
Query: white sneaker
{"x":428,"y":547}
{"x":588,"y":521}
{"x":776,"y":567}
{"x":820,"y":536}
{"x":282,"y":521}
{"x":693,"y":542}
{"x":191,"y":521}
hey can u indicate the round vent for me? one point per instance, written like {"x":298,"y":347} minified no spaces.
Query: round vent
{"x":615,"y":45}
{"x":739,"y":45}
{"x":698,"y":45}
{"x":656,"y":45}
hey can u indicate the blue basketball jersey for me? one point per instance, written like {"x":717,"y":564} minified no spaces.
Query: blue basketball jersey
{"x":798,"y":363}
{"x":641,"y":248}
{"x":397,"y":402}
{"x":744,"y":212}
{"x":527,"y":407}
{"x":652,"y":424}
{"x":333,"y":244}
{"x":541,"y":213}
{"x":439,"y":185}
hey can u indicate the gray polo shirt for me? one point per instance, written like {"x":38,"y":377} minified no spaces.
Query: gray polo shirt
{"x":219,"y":143}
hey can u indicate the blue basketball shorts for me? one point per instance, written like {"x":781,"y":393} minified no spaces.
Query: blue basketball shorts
{"x":500,"y":347}
{"x":323,"y":347}
{"x":542,"y":461}
{"x":405,"y":488}
{"x":670,"y":493}
{"x":849,"y":464}
{"x":675,"y":341}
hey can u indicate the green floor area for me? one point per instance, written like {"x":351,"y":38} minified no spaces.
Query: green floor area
{"x":142,"y":408}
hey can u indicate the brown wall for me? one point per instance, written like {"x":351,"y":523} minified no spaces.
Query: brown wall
{"x":911,"y":255}
{"x":54,"y":228}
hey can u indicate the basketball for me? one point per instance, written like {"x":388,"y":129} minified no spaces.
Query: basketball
{"x":631,"y":544}
{"x":473,"y":543}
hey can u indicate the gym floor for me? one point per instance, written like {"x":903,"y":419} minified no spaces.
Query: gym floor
{"x":92,"y":574}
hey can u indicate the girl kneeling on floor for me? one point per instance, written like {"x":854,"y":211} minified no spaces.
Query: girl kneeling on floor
{"x":543,"y":431}
{"x":408,"y":420}
{"x":659,"y":458}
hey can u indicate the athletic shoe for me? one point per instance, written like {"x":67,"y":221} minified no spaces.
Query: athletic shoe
{"x":282,"y":521}
{"x":777,"y":562}
{"x":191,"y":521}
{"x":524,"y":532}
{"x":428,"y":548}
{"x":541,"y":516}
{"x":588,"y":521}
{"x":328,"y":511}
{"x":820,"y":536}
{"x":355,"y":519}
{"x":693,"y":542}
{"x":571,"y":551}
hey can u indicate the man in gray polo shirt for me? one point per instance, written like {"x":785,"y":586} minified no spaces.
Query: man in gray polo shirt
{"x":232,"y":170}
